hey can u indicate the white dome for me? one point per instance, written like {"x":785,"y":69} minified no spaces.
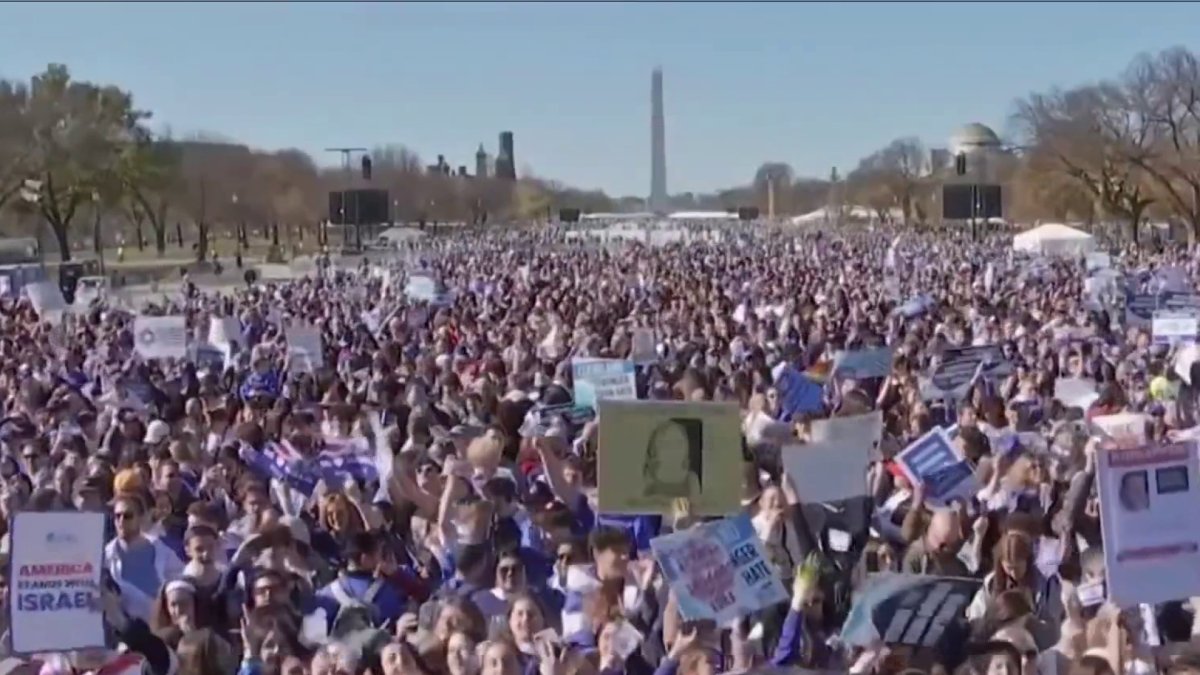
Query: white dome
{"x":974,"y":136}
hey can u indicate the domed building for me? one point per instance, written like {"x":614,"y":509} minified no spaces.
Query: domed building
{"x":973,"y":138}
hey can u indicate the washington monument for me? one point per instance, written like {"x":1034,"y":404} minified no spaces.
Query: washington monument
{"x":659,"y":202}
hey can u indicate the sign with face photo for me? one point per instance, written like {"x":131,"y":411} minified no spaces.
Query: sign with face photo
{"x":654,"y":452}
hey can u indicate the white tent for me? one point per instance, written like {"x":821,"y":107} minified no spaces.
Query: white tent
{"x":1055,"y":239}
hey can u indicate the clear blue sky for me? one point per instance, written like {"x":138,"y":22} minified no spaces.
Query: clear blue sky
{"x":813,"y":85}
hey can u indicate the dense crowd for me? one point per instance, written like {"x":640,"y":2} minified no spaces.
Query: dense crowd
{"x":469,"y":540}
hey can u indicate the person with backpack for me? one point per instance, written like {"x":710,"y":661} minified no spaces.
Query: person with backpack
{"x":360,"y":598}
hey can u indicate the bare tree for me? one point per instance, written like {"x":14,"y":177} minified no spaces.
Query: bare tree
{"x":892,"y":177}
{"x":1087,"y":135}
{"x":1161,"y":96}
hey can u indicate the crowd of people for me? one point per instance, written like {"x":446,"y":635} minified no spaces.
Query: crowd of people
{"x":387,"y":506}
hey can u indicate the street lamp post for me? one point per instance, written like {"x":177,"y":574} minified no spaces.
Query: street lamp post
{"x":97,"y":243}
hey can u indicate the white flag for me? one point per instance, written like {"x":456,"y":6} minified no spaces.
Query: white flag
{"x":160,"y":337}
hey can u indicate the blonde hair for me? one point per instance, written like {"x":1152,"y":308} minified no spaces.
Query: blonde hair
{"x":483,"y":451}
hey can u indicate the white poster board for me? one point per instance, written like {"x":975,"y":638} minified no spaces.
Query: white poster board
{"x":1149,"y":496}
{"x":57,"y":559}
{"x":1169,"y":327}
{"x":160,"y":337}
{"x":47,"y":299}
{"x":645,"y":347}
{"x":223,"y":330}
{"x":305,"y":348}
{"x":833,"y":465}
{"x":1127,"y":430}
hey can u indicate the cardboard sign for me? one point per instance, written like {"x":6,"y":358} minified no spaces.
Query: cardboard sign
{"x":959,"y":364}
{"x":597,"y":379}
{"x":833,"y":465}
{"x":718,"y":570}
{"x":934,"y":461}
{"x":863,"y":364}
{"x":654,"y":452}
{"x":160,"y":337}
{"x":910,"y":609}
{"x":1149,"y":496}
{"x":54,"y":589}
{"x":305,"y":348}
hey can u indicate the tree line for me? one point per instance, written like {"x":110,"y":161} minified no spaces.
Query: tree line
{"x":74,"y":153}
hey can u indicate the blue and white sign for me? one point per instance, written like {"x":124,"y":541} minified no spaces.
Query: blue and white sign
{"x":959,"y":364}
{"x":797,"y":393}
{"x":54,"y":589}
{"x":1170,"y":327}
{"x":718,"y":570}
{"x":1139,"y":308}
{"x":863,"y":364}
{"x":597,"y":379}
{"x":933,"y":461}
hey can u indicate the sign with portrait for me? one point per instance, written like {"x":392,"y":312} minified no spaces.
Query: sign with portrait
{"x":1149,"y":496}
{"x":654,"y":452}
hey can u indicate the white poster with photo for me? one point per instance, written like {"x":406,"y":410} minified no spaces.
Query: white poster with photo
{"x":833,"y":464}
{"x":305,"y":349}
{"x":160,"y":337}
{"x":1149,"y":496}
{"x":55,"y":582}
{"x":645,"y":347}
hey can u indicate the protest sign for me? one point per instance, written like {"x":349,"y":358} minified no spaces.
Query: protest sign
{"x":54,"y":589}
{"x":422,"y":287}
{"x":1169,"y":327}
{"x":602,"y":378}
{"x":798,"y":393}
{"x":1097,"y":260}
{"x":645,"y":347}
{"x":833,"y":464}
{"x":305,"y":348}
{"x":654,"y":452}
{"x":718,"y":570}
{"x":1139,"y":308}
{"x":1184,"y":358}
{"x":959,"y":364}
{"x":1170,"y":279}
{"x":47,"y":299}
{"x":160,"y":337}
{"x":863,"y":364}
{"x":1151,"y":534}
{"x":1075,"y":392}
{"x":934,"y":461}
{"x":916,"y":610}
{"x":1125,"y":430}
{"x":1179,"y":301}
{"x":210,"y":357}
{"x":915,"y":306}
{"x":224,"y":330}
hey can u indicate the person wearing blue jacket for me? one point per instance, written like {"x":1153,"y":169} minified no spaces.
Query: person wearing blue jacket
{"x":361,"y":584}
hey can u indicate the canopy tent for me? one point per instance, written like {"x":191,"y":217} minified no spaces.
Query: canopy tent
{"x":1055,"y":239}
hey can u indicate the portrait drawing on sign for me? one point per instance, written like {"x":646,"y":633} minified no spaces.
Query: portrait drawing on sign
{"x":673,"y":465}
{"x":1134,"y":492}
